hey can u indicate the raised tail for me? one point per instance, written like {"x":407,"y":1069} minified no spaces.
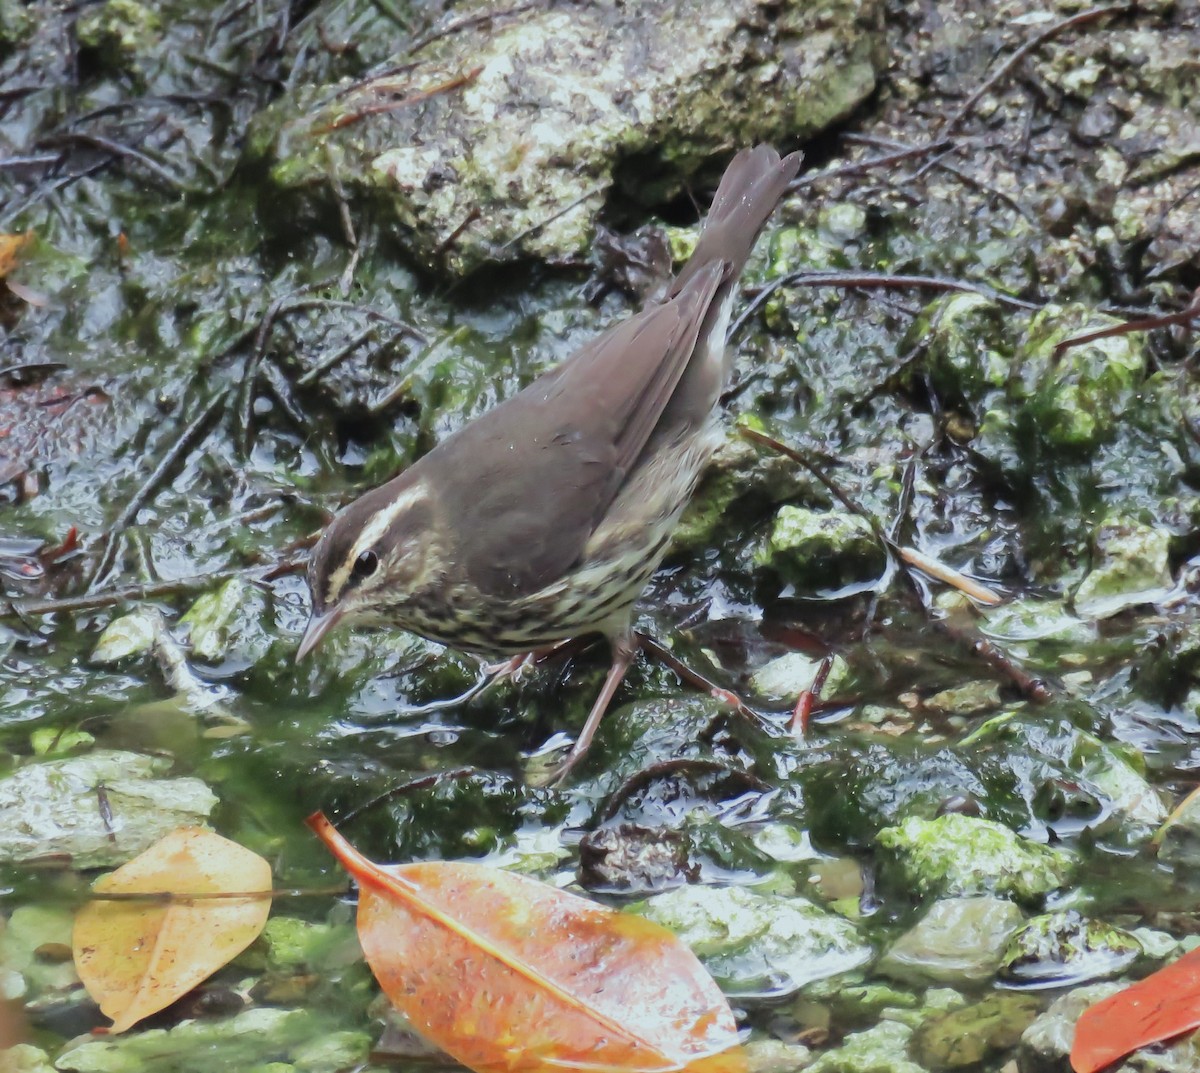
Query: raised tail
{"x":749,"y":190}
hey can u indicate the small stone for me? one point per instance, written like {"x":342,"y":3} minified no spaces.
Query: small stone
{"x":970,"y":698}
{"x":789,"y":675}
{"x":1066,"y":948}
{"x":968,"y":1036}
{"x":959,"y":941}
{"x":1132,"y":568}
{"x":878,"y":1050}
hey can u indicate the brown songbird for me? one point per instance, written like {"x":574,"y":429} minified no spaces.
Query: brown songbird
{"x":543,"y":519}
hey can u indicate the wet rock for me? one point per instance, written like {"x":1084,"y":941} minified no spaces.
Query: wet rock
{"x":332,"y":1053}
{"x":956,"y":854}
{"x":966,"y":1037}
{"x":1131,"y":567}
{"x":775,"y":1056}
{"x":635,"y":858}
{"x":959,"y":334}
{"x":1074,"y":780}
{"x":55,"y":808}
{"x":501,"y":140}
{"x":881,"y":1049}
{"x":822,"y":550}
{"x":1029,"y":620}
{"x":741,"y":481}
{"x":25,"y":1058}
{"x":1046,"y":1043}
{"x":1064,"y":948}
{"x":53,"y":741}
{"x":239,"y":1042}
{"x":1181,"y":842}
{"x":971,"y":698}
{"x":1076,"y":398}
{"x":959,"y":941}
{"x":25,"y":936}
{"x":129,"y":635}
{"x":227,"y":623}
{"x":789,"y":675}
{"x":758,"y":945}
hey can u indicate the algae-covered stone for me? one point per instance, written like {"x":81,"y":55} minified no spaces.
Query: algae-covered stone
{"x":229,"y":618}
{"x":956,"y":854}
{"x":789,"y":675}
{"x":25,"y":1058}
{"x":882,"y":1049}
{"x":332,"y":1053}
{"x":968,"y":1036}
{"x":756,"y":944}
{"x":522,"y":122}
{"x":775,"y":1056}
{"x":959,"y":941}
{"x":29,"y":930}
{"x":970,"y":698}
{"x":1063,"y":947}
{"x":1030,"y":620}
{"x":1077,"y":398}
{"x":822,"y":549}
{"x":50,"y":808}
{"x":129,"y":635}
{"x":119,"y":29}
{"x":204,"y":1046}
{"x":1132,"y":566}
{"x":1046,"y":1043}
{"x":958,"y":333}
{"x":1103,"y":786}
{"x":51,"y":741}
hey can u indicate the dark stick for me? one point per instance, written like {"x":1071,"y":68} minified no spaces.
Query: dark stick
{"x":1084,"y":17}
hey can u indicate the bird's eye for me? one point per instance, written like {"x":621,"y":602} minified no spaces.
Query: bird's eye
{"x":364,"y":566}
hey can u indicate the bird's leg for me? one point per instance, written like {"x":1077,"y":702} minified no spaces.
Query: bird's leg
{"x":624,"y":648}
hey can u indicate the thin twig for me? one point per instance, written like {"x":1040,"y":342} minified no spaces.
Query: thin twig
{"x":466,"y":23}
{"x":107,"y":145}
{"x":135,"y":593}
{"x":808,"y":278}
{"x":857,"y":168}
{"x":421,"y":783}
{"x":194,"y":433}
{"x":949,"y":576}
{"x":382,"y":107}
{"x":1185,"y":316}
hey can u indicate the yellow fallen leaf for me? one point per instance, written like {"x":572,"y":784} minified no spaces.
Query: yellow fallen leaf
{"x":137,"y":956}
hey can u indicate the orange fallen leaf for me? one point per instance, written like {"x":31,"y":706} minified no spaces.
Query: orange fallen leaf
{"x":1164,"y":1004}
{"x":508,"y":974}
{"x":10,"y":249}
{"x":137,"y":956}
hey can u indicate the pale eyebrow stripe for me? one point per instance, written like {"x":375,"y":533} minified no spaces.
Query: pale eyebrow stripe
{"x":379,"y":524}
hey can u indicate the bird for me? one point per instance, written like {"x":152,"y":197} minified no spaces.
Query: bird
{"x":543,"y":518}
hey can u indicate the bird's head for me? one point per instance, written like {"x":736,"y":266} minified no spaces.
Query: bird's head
{"x":371,"y":559}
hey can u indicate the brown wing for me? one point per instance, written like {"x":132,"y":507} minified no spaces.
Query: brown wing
{"x":535,"y":474}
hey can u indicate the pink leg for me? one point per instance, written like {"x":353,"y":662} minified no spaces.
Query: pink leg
{"x":624,"y":648}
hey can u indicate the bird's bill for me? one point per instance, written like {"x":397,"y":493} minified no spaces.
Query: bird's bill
{"x":318,"y":627}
